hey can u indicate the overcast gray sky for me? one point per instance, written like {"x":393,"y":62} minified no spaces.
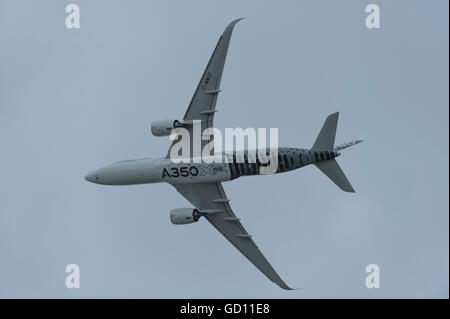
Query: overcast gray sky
{"x":74,"y":100}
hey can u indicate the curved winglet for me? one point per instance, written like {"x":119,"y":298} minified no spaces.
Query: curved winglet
{"x":232,"y":23}
{"x":203,"y":103}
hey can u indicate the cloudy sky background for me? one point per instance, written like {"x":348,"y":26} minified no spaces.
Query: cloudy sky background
{"x":74,"y":100}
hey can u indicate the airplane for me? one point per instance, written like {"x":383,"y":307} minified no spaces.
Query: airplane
{"x":201,"y":183}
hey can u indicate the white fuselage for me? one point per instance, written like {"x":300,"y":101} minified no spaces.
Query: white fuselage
{"x":156,"y":170}
{"x":205,"y":170}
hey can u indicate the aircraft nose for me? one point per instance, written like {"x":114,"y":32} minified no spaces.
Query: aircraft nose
{"x":92,"y":177}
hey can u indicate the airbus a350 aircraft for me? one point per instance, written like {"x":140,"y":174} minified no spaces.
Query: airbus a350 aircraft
{"x":201,"y":183}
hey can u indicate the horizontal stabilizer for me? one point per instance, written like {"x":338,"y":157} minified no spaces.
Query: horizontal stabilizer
{"x":334,"y":172}
{"x":344,"y":146}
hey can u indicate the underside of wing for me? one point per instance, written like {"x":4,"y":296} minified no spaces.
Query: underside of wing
{"x":210,"y":199}
{"x":203,"y":104}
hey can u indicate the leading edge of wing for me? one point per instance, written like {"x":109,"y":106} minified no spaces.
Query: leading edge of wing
{"x":220,"y":49}
{"x":265,"y":267}
{"x":204,"y":196}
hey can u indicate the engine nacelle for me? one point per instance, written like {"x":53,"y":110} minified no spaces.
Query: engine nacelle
{"x":181,"y":216}
{"x":164,"y":127}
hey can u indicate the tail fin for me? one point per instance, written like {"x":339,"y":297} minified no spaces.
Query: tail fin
{"x":325,"y":142}
{"x":325,"y":139}
{"x":335,"y":173}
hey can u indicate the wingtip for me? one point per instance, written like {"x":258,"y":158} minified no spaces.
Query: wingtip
{"x":234,"y":22}
{"x":289,"y":288}
{"x":349,"y":189}
{"x":283,"y":285}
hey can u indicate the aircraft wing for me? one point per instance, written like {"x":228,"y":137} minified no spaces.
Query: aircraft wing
{"x":211,"y":200}
{"x":203,"y":104}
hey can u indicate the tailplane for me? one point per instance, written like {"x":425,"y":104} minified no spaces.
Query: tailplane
{"x":344,"y":146}
{"x":325,"y":142}
{"x":334,"y":172}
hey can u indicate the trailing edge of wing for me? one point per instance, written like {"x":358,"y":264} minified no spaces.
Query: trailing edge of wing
{"x":204,"y":196}
{"x":203,"y":103}
{"x":205,"y":95}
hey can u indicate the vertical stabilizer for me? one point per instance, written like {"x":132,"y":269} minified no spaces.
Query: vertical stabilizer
{"x":325,"y":142}
{"x":325,"y":139}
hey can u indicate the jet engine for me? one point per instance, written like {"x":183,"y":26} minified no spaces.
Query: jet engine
{"x":164,"y":127}
{"x":181,"y":216}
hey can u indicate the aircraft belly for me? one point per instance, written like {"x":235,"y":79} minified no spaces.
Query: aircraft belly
{"x":189,"y":173}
